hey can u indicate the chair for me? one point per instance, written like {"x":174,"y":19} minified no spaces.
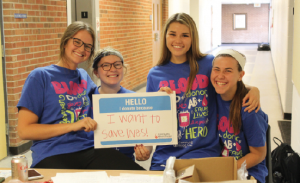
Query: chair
{"x":269,"y":178}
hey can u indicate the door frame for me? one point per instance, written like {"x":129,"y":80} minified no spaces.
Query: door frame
{"x":4,"y":79}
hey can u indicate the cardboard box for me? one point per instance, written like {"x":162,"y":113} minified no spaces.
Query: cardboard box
{"x":232,"y":181}
{"x":215,"y":169}
{"x":187,"y":174}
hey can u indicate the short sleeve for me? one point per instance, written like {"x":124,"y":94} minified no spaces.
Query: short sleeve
{"x":149,"y":86}
{"x":255,"y":127}
{"x":32,"y":96}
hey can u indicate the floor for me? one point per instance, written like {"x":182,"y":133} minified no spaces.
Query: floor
{"x":259,"y":72}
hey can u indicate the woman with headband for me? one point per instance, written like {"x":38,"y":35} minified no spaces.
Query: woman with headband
{"x":242,"y":134}
{"x":109,"y":67}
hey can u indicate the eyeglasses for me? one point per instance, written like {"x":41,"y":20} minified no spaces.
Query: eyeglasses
{"x":87,"y":47}
{"x":107,"y":66}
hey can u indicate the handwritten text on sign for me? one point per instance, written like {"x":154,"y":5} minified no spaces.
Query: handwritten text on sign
{"x":130,"y":119}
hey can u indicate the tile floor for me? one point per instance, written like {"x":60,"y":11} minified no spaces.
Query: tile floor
{"x":259,"y":72}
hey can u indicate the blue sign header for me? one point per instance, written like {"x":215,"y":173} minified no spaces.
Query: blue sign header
{"x":134,"y":104}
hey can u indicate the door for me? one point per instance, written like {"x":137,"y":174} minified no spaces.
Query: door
{"x":212,"y":28}
{"x":3,"y":145}
{"x":156,"y":28}
{"x":85,"y":11}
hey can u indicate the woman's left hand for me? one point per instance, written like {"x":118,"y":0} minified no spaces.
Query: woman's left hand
{"x":253,"y":100}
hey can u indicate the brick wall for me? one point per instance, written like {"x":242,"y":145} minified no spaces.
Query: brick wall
{"x":34,"y":42}
{"x":165,"y":13}
{"x":29,"y":43}
{"x":257,"y":24}
{"x":125,"y":26}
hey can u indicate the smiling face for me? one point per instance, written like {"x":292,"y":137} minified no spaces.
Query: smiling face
{"x":75,"y":55}
{"x":113,"y":77}
{"x":224,"y":77}
{"x":178,"y":40}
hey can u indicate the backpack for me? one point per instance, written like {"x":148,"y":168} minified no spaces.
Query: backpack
{"x":285,"y":164}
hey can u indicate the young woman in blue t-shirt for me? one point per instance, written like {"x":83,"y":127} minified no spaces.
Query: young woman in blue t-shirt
{"x":109,"y":67}
{"x":184,"y":69}
{"x":242,"y":134}
{"x":55,"y":110}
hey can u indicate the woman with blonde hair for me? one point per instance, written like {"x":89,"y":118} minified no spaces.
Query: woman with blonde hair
{"x":184,"y":69}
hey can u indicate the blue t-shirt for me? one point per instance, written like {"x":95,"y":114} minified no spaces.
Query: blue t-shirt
{"x":128,"y":151}
{"x":252,"y":133}
{"x":196,"y":111}
{"x":59,"y":95}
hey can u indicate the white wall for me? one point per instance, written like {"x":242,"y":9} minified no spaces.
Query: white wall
{"x":179,"y":6}
{"x":217,"y":23}
{"x":296,"y":81}
{"x":281,"y":47}
{"x":295,"y":136}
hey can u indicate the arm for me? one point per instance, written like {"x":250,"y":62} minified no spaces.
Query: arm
{"x":29,"y":129}
{"x":142,"y":152}
{"x":253,"y":99}
{"x":256,"y":155}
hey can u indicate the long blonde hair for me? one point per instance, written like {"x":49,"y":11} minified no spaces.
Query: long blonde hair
{"x":193,"y":53}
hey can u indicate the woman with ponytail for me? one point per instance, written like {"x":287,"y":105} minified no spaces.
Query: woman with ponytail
{"x":183,"y":68}
{"x":242,"y":134}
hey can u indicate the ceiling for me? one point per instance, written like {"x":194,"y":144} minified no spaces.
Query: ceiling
{"x":244,"y":1}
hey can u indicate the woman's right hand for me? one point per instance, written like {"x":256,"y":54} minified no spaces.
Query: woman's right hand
{"x":142,"y":153}
{"x":29,"y":128}
{"x":166,"y":89}
{"x":87,"y":124}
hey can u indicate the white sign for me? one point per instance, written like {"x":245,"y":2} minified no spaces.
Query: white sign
{"x":135,"y":118}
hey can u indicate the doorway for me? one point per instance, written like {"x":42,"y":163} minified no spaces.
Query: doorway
{"x":86,"y":11}
{"x":156,"y":28}
{"x":3,"y":138}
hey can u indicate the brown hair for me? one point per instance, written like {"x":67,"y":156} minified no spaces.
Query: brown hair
{"x":235,"y":117}
{"x":71,"y":30}
{"x":193,"y":53}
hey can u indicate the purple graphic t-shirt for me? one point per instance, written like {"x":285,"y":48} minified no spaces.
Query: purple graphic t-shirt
{"x":252,"y":133}
{"x":196,"y":111}
{"x":59,"y":95}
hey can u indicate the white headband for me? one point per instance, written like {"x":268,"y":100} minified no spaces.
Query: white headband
{"x":235,"y":54}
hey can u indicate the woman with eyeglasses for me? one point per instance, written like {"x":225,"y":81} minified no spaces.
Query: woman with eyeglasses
{"x":55,"y":110}
{"x":109,"y":67}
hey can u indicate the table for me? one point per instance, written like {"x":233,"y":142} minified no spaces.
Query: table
{"x":48,"y":173}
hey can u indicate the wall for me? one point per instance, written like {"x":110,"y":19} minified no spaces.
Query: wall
{"x":179,"y":6}
{"x":165,"y":9}
{"x":257,"y":23}
{"x":29,"y":43}
{"x":282,"y":46}
{"x":296,"y":80}
{"x":125,"y":26}
{"x":217,"y":23}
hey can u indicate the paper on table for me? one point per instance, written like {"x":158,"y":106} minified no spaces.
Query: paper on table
{"x":5,"y":173}
{"x":136,"y":178}
{"x":91,"y":177}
